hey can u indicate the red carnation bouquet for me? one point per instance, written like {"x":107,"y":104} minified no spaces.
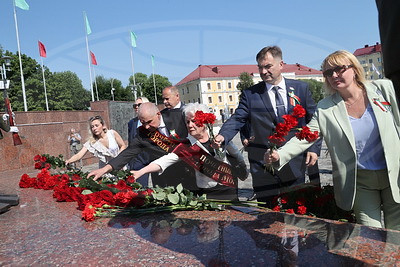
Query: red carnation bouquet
{"x":290,"y":121}
{"x":123,"y":196}
{"x":46,"y":161}
{"x":207,"y":119}
{"x":202,"y":118}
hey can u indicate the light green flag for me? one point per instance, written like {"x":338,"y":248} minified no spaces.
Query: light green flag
{"x":133,"y":39}
{"x":88,"y":30}
{"x":152,"y":60}
{"x":22,"y":4}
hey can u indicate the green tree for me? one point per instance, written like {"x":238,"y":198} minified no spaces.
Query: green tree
{"x":246,"y":81}
{"x":34,"y":91}
{"x":316,"y":88}
{"x":104,"y":89}
{"x":66,"y":92}
{"x":148,"y":87}
{"x":64,"y":89}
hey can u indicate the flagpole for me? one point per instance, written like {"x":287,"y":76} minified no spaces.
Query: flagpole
{"x":88,"y":56}
{"x":20,"y":60}
{"x":95,"y":83}
{"x":133,"y":76}
{"x":44,"y":85}
{"x":154,"y":80}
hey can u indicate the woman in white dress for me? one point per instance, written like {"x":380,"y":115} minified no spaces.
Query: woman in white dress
{"x":104,"y":144}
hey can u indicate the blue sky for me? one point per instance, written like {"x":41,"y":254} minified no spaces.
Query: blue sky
{"x":182,"y":34}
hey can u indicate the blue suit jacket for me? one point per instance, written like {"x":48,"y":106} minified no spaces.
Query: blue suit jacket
{"x":143,"y":158}
{"x":255,"y":108}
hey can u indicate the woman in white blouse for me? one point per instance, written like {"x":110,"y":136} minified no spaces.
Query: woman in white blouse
{"x":104,"y":144}
{"x":199,"y":135}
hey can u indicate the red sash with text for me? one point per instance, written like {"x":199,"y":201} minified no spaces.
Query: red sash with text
{"x":195,"y":157}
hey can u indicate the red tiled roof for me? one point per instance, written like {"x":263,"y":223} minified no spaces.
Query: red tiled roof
{"x":367,"y":50}
{"x":217,"y":71}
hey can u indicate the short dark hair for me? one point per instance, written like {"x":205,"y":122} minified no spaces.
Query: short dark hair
{"x":275,"y":51}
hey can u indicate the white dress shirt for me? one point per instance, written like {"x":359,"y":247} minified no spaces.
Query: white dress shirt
{"x":282,"y":91}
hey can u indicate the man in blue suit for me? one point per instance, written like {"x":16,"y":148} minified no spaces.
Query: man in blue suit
{"x":143,"y":158}
{"x":260,"y":106}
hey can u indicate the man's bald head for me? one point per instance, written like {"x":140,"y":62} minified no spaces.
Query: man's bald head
{"x":149,"y":116}
{"x":171,"y":97}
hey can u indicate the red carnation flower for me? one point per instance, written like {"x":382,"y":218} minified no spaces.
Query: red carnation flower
{"x":305,"y":133}
{"x":284,"y":199}
{"x":299,"y":111}
{"x":276,"y":208}
{"x":38,"y":165}
{"x":26,"y":181}
{"x":107,"y":196}
{"x":88,"y":213}
{"x":47,"y":166}
{"x":290,"y":211}
{"x":43,"y":159}
{"x":37,"y":158}
{"x":130,"y":179}
{"x":282,"y":129}
{"x":301,"y":210}
{"x":276,"y":139}
{"x":202,"y":118}
{"x":312,"y":136}
{"x":124,"y":199}
{"x":290,"y":121}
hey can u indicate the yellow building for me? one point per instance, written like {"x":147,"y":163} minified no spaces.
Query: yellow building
{"x":216,"y":85}
{"x":371,"y":60}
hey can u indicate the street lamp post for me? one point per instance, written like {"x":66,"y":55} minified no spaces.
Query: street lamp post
{"x":112,"y":88}
{"x":8,"y":200}
{"x":134,"y":91}
{"x":3,"y":69}
{"x":5,"y":85}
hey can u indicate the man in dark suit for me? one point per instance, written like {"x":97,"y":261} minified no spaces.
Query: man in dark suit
{"x":172,"y":114}
{"x":175,"y":120}
{"x":151,"y":120}
{"x":389,"y":29}
{"x":260,"y":106}
{"x":143,"y":158}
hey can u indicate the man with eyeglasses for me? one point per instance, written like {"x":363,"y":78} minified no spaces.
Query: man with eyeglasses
{"x":143,"y":158}
{"x":263,"y":106}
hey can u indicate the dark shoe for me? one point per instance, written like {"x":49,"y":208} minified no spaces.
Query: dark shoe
{"x":4,"y":207}
{"x":12,"y":200}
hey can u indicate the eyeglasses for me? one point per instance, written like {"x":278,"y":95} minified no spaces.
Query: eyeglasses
{"x":136,"y":105}
{"x":95,"y":118}
{"x":337,"y":69}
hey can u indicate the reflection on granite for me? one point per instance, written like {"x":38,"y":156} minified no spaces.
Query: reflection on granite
{"x":41,"y":231}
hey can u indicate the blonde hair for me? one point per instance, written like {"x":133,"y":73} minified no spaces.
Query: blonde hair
{"x":340,"y":58}
{"x":94,"y":138}
{"x":144,"y":99}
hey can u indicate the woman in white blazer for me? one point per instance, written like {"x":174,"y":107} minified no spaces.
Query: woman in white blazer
{"x":359,"y":122}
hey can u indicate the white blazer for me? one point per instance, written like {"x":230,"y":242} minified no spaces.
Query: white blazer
{"x":332,"y":122}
